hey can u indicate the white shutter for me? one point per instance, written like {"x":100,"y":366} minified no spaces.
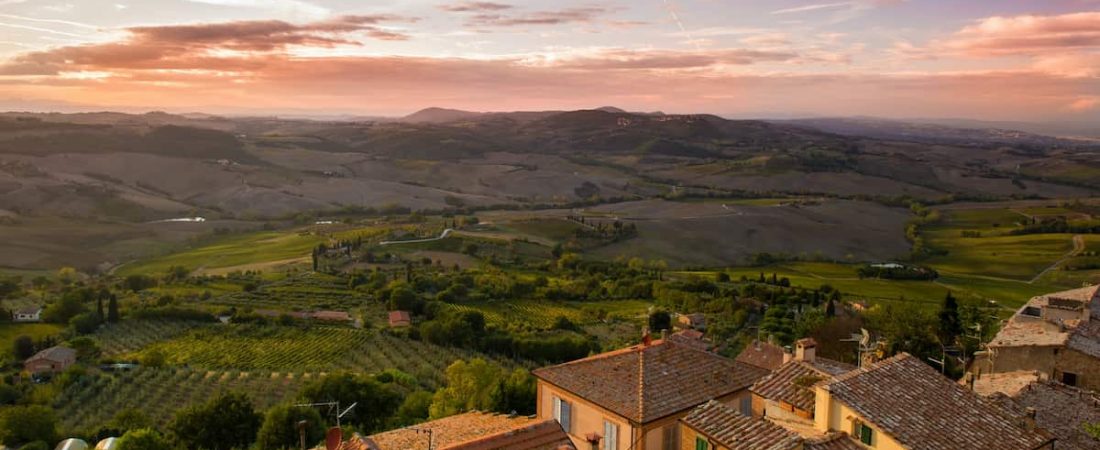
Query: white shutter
{"x":610,"y":436}
{"x":557,"y":409}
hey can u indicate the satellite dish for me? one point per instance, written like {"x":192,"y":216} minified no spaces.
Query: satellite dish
{"x":334,"y":438}
{"x":72,"y":444}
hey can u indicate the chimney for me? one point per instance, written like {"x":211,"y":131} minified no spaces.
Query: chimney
{"x":1029,"y":421}
{"x":664,"y":334}
{"x":787,"y":355}
{"x":646,"y":338}
{"x":805,"y":350}
{"x":593,"y":440}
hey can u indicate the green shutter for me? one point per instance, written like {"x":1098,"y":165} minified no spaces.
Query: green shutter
{"x":700,"y":443}
{"x":865,"y":434}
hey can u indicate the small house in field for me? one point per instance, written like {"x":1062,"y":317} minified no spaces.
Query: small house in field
{"x":27,"y":315}
{"x":50,"y":360}
{"x":400,"y":319}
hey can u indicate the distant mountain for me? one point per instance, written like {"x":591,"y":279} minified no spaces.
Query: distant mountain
{"x":937,"y":133}
{"x":439,"y":115}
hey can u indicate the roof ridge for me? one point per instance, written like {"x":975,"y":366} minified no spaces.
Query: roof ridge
{"x":604,"y":355}
{"x":871,"y":368}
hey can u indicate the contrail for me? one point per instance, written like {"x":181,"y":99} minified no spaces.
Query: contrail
{"x":676,"y":18}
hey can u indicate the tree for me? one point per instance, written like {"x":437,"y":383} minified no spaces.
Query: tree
{"x":112,"y":309}
{"x":226,"y":422}
{"x":86,"y":347}
{"x":518,"y":393}
{"x":66,"y":307}
{"x":950,"y":326}
{"x":138,"y":282}
{"x":375,"y":401}
{"x":660,"y":320}
{"x":471,"y":386}
{"x":67,"y":275}
{"x":144,"y":439}
{"x":1093,"y":429}
{"x":22,"y":424}
{"x":84,"y":323}
{"x":415,"y":408}
{"x":129,"y":420}
{"x":280,"y":427}
{"x":830,"y":309}
{"x":23,"y":347}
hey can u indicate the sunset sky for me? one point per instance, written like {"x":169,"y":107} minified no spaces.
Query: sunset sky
{"x":985,"y":59}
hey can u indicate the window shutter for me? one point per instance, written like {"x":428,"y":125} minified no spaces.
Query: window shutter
{"x":566,"y":416}
{"x":700,"y":444}
{"x":865,"y":434}
{"x":557,"y":409}
{"x":611,"y":436}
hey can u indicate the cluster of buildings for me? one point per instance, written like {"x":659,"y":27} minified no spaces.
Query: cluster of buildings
{"x":1033,"y":388}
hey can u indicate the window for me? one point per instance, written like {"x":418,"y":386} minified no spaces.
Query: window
{"x":563,"y":413}
{"x":670,"y":437}
{"x":746,"y":406}
{"x":862,"y":432}
{"x":1070,"y":379}
{"x":701,"y":444}
{"x":610,"y":435}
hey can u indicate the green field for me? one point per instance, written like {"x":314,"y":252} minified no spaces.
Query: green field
{"x":542,"y":314}
{"x":812,"y":275}
{"x":37,"y":331}
{"x":243,"y":250}
{"x":159,"y":393}
{"x":317,"y":349}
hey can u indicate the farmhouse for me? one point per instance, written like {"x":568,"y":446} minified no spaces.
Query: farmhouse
{"x":400,"y":319}
{"x":27,"y":315}
{"x":50,"y":360}
{"x":633,"y":398}
{"x":1056,"y":335}
{"x":469,"y":431}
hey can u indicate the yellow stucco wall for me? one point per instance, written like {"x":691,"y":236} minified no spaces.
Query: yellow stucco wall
{"x":839,"y":417}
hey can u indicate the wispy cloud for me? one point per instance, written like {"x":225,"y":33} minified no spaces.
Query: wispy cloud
{"x":475,"y":6}
{"x":286,"y":8}
{"x":815,"y":7}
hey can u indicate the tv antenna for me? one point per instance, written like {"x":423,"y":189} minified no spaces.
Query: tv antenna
{"x":333,"y":407}
{"x":864,"y":344}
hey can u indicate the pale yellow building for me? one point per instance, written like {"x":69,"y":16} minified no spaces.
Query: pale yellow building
{"x":633,"y":398}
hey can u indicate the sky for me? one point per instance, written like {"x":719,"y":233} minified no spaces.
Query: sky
{"x":1033,"y":60}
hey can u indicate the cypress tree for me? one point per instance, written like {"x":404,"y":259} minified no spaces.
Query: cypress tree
{"x":112,"y":309}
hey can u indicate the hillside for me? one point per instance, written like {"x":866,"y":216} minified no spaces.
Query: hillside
{"x":122,"y":173}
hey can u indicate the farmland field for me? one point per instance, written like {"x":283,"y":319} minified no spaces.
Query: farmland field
{"x":542,"y":314}
{"x":8,"y":333}
{"x":159,"y":393}
{"x":317,"y":349}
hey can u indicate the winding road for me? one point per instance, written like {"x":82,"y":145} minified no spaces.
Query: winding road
{"x":1078,"y":247}
{"x":443,"y":235}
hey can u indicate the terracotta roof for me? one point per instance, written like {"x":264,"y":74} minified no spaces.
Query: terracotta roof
{"x":1008,"y":383}
{"x":832,"y":441}
{"x":56,"y":354}
{"x":793,"y":382}
{"x":643,"y":383}
{"x":399,"y":317}
{"x":30,"y":311}
{"x":764,"y":355}
{"x":447,"y":432}
{"x":1060,"y":409}
{"x":916,"y":406}
{"x":689,"y":337}
{"x":545,"y":435}
{"x":731,"y":429}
